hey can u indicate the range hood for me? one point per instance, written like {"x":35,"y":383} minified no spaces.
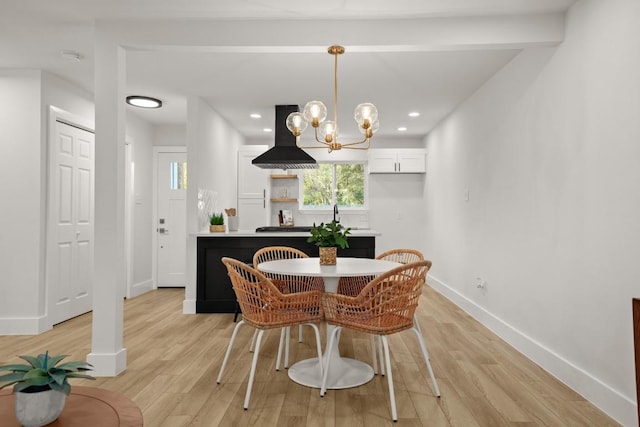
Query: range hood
{"x":285,"y":154}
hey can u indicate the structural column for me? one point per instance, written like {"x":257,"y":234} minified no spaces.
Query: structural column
{"x":108,"y":356}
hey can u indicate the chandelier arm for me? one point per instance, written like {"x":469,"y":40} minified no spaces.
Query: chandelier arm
{"x":355,"y":143}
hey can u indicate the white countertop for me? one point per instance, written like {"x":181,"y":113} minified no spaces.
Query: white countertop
{"x":252,"y":233}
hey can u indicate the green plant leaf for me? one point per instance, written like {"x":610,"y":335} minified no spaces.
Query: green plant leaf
{"x":11,"y":378}
{"x":33,"y":361}
{"x":54,"y":360}
{"x":75,"y":366}
{"x":18,"y":368}
{"x":58,"y":375}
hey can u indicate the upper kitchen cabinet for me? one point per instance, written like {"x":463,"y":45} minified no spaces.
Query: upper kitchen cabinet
{"x":253,"y":189}
{"x":402,"y":160}
{"x":252,"y":181}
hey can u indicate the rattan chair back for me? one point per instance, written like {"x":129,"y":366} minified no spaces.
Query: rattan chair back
{"x":262,"y":303}
{"x":287,"y":283}
{"x":403,"y":256}
{"x":384,"y":306}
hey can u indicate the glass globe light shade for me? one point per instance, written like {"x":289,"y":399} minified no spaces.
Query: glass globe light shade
{"x":314,"y":112}
{"x":366,"y":111}
{"x":296,"y":123}
{"x":328,"y":129}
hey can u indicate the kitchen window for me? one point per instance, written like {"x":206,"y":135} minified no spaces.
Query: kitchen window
{"x":344,"y":184}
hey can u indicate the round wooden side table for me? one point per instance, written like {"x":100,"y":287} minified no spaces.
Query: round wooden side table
{"x":85,"y":406}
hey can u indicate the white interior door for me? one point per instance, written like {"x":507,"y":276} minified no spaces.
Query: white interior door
{"x":71,"y":211}
{"x":171,"y":226}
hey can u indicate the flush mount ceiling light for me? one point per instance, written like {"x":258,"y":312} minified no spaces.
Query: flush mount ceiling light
{"x":326,"y":132}
{"x":143,"y":101}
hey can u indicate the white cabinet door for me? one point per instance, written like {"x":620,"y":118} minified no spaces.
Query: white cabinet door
{"x":252,"y":180}
{"x":252,"y":213}
{"x":253,"y":206}
{"x":382,"y":161}
{"x":411,"y":162}
{"x":402,"y":160}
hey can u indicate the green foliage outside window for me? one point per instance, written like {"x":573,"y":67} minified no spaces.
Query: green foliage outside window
{"x":318,"y":186}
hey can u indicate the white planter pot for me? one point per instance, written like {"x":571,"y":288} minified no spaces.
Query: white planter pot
{"x":39,"y":409}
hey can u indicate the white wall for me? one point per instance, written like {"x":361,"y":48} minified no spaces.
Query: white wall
{"x":141,"y":134}
{"x":21,"y":169}
{"x":549,"y":151}
{"x":212,"y":146}
{"x":170,"y":135}
{"x":26,"y":96}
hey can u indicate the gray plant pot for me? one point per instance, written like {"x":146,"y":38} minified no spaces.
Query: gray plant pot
{"x":39,"y":409}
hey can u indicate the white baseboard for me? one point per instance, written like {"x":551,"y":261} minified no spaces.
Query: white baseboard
{"x":108,"y":364}
{"x":24,"y":325}
{"x":141,"y":287}
{"x":612,"y":402}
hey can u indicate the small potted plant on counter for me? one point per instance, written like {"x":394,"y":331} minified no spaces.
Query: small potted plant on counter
{"x":328,"y":237}
{"x":216,"y":221}
{"x":41,"y":387}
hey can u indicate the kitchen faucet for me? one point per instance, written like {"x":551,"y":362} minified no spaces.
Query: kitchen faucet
{"x":336,"y":216}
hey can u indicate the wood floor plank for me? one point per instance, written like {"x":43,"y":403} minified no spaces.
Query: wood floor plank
{"x":173,"y":360}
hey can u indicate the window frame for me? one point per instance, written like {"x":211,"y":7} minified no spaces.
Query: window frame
{"x":364,"y":208}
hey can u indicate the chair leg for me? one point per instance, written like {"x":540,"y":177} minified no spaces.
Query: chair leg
{"x":332,"y":342}
{"x":226,"y":355}
{"x":283,"y":331}
{"x":252,"y":374}
{"x":374,"y":352}
{"x":286,"y":350}
{"x":425,"y":355}
{"x":300,"y":333}
{"x":416,"y":324}
{"x":235,"y":315}
{"x":392,"y":394}
{"x":380,"y":352}
{"x":253,"y":341}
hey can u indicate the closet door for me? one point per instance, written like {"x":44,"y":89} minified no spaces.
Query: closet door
{"x":71,"y":213}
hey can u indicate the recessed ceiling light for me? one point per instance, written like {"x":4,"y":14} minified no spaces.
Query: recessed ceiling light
{"x":255,"y":115}
{"x":402,"y":129}
{"x":267,"y":130}
{"x":143,"y":101}
{"x":414,"y":114}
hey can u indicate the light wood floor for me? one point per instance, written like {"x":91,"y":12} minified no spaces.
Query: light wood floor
{"x":173,"y":361}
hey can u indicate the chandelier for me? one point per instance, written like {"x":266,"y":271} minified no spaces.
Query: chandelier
{"x":326,"y":132}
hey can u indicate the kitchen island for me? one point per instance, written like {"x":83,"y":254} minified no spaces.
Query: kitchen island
{"x":214,"y":291}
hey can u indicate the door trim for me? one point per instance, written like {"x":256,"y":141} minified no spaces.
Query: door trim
{"x":154,"y":223}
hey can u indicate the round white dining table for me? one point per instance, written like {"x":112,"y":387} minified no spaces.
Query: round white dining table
{"x":345,"y":372}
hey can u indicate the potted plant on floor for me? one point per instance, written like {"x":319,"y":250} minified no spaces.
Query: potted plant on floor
{"x":41,"y":386}
{"x":328,"y":237}
{"x":216,"y":221}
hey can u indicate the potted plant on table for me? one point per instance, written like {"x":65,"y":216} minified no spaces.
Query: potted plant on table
{"x":328,"y":237}
{"x":41,"y":386}
{"x":216,"y":221}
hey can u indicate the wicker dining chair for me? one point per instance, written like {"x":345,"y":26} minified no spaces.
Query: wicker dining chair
{"x":265,"y":307}
{"x":383,"y":307}
{"x":353,"y":285}
{"x":287,"y":284}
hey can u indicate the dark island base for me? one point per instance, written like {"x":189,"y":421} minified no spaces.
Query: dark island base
{"x":214,"y":291}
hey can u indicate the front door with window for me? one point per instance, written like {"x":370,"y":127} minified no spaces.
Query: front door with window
{"x":171,"y":225}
